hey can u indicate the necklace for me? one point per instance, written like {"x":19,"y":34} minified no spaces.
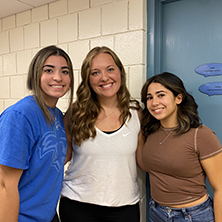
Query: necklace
{"x":167,"y":136}
{"x":109,"y":113}
{"x":104,"y":116}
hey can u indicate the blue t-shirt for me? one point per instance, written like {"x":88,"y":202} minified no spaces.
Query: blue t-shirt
{"x":29,"y":143}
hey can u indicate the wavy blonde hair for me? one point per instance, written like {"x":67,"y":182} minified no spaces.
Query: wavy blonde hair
{"x":85,"y":109}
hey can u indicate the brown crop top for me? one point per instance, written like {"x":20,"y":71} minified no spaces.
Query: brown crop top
{"x":176,"y":175}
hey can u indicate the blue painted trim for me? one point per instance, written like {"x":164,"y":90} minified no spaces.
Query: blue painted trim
{"x":154,"y":53}
{"x":154,"y":37}
{"x":169,"y":1}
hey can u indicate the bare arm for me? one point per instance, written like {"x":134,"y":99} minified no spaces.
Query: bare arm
{"x":69,"y":141}
{"x":141,"y":141}
{"x":9,"y":195}
{"x":212,"y":166}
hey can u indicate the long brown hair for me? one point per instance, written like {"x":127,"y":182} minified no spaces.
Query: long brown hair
{"x":187,"y":109}
{"x":35,"y":73}
{"x":85,"y":109}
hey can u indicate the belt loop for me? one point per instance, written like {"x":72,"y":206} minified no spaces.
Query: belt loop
{"x":185,"y":214}
{"x":153,"y":203}
{"x":184,"y":211}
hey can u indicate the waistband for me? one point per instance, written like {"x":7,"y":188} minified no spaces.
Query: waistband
{"x":189,"y":210}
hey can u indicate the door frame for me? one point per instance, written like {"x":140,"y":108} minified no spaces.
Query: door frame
{"x":154,"y":52}
{"x":154,"y":35}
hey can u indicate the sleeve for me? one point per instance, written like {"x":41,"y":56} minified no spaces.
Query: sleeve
{"x":16,"y":140}
{"x":207,"y":143}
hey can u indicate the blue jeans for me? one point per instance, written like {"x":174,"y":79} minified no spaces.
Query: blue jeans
{"x":200,"y":213}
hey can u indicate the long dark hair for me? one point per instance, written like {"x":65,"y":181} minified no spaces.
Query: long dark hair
{"x":35,"y":73}
{"x":187,"y":109}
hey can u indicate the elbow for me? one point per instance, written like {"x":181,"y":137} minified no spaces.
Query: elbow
{"x":140,"y":164}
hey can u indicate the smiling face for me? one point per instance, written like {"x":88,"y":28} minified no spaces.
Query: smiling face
{"x":105,"y":76}
{"x":162,"y":104}
{"x":55,"y":79}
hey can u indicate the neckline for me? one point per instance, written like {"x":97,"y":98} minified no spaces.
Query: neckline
{"x":114,"y":133}
{"x":168,"y":128}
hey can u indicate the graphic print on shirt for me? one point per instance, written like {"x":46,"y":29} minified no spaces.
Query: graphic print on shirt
{"x":50,"y":143}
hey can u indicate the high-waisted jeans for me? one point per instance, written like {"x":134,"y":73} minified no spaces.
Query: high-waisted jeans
{"x":200,"y":213}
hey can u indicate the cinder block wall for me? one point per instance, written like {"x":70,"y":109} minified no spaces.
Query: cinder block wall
{"x":76,"y":26}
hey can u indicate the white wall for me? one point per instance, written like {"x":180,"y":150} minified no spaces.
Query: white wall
{"x":76,"y":26}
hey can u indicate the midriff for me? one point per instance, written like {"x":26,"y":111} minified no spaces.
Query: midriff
{"x":191,"y":204}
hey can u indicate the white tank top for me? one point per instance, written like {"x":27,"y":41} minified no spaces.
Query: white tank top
{"x":103,"y":170}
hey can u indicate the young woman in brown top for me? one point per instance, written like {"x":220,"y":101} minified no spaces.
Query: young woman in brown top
{"x":178,"y":154}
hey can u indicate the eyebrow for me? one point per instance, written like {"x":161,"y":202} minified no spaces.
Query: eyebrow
{"x":161,"y":91}
{"x":94,"y":69}
{"x":110,"y":66}
{"x":51,"y":66}
{"x":106,"y":67}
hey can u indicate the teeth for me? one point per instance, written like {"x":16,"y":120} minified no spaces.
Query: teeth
{"x":106,"y":86}
{"x":157,"y":110}
{"x":57,"y":86}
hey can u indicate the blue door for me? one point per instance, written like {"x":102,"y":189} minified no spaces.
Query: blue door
{"x":192,"y":37}
{"x":185,"y":36}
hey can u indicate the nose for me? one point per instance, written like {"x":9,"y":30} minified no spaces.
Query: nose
{"x":155,"y":101}
{"x":57,"y":76}
{"x":104,"y":76}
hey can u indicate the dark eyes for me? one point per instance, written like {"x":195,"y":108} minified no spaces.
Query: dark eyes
{"x":47,"y":70}
{"x":161,"y":95}
{"x":66,"y":72}
{"x":151,"y":97}
{"x":50,"y":71}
